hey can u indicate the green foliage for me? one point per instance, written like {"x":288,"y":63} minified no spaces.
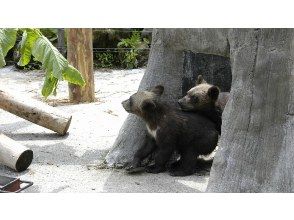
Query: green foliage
{"x":105,"y":60}
{"x":2,"y":60}
{"x":32,"y":65}
{"x":27,"y":42}
{"x":73,"y":76}
{"x":49,"y":85}
{"x":130,"y":59}
{"x":35,"y":43}
{"x":7,"y":41}
{"x":50,"y":33}
{"x":52,"y":61}
{"x":135,"y":43}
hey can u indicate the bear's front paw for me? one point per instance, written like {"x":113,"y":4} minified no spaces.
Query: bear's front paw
{"x":175,"y":165}
{"x":134,"y":167}
{"x":154,"y":169}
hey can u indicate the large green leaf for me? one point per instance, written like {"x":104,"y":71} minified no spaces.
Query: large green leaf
{"x":72,"y":75}
{"x":2,"y":60}
{"x":49,"y":56}
{"x":7,"y":41}
{"x":49,"y":85}
{"x":34,"y":43}
{"x":29,"y":38}
{"x":56,"y":66}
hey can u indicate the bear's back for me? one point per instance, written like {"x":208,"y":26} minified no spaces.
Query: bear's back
{"x":189,"y":130}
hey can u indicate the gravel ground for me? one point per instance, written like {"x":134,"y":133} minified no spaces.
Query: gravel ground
{"x":66,"y":164}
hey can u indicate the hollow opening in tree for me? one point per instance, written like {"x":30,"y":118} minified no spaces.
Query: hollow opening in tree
{"x":178,"y":73}
{"x":215,"y":69}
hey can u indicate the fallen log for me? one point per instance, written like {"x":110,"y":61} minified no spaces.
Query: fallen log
{"x":36,"y":112}
{"x":14,"y":155}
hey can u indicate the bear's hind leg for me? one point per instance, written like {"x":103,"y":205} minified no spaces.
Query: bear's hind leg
{"x":162,"y":156}
{"x":185,"y":166}
{"x":175,"y":164}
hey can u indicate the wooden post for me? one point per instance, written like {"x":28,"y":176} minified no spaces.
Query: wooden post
{"x":14,"y":155}
{"x":36,"y":112}
{"x":80,"y":55}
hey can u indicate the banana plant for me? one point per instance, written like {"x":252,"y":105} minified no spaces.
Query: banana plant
{"x":34,"y":43}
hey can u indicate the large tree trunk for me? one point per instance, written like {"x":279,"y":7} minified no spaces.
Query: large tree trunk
{"x":256,"y":150}
{"x":166,"y":67}
{"x":80,"y":55}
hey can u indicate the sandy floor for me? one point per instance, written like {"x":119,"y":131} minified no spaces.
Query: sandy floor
{"x":64,"y":164}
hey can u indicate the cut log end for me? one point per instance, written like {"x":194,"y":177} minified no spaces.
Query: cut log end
{"x":24,"y":161}
{"x":66,"y":127}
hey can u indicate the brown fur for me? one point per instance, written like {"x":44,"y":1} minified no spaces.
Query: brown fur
{"x":202,"y":98}
{"x":171,"y":131}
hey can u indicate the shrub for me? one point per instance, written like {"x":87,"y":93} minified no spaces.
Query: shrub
{"x":131,"y":49}
{"x":105,"y":60}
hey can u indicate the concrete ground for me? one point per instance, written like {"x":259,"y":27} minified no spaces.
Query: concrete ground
{"x":67,"y":164}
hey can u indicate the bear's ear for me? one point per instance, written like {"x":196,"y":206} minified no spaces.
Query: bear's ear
{"x":148,"y":105}
{"x":200,"y":80}
{"x":158,"y":90}
{"x":213,"y":92}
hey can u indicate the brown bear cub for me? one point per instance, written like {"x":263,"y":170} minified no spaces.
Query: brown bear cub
{"x":171,"y":130}
{"x":204,"y":99}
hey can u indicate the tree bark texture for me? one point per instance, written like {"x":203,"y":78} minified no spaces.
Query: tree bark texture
{"x":216,"y":70}
{"x":36,"y":112}
{"x":165,"y":67}
{"x":80,"y":55}
{"x":256,"y":149}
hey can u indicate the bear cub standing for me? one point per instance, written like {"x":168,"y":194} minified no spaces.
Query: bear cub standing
{"x":205,"y":99}
{"x":189,"y":134}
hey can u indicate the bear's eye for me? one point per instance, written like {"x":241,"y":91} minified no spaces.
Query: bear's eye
{"x":194,"y":99}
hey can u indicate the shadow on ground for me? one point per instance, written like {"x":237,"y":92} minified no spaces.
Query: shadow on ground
{"x":61,"y":163}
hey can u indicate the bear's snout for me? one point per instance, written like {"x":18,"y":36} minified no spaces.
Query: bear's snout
{"x":126,"y":105}
{"x":181,"y":102}
{"x":184,"y":104}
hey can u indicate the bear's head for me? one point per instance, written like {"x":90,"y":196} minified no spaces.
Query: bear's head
{"x":201,"y":97}
{"x":143,"y":102}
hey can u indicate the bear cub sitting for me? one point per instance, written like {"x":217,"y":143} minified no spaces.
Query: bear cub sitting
{"x":170,"y":130}
{"x":205,"y":99}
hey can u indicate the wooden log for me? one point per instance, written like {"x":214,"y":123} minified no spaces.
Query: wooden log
{"x":14,"y":155}
{"x":36,"y":112}
{"x":80,"y":55}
